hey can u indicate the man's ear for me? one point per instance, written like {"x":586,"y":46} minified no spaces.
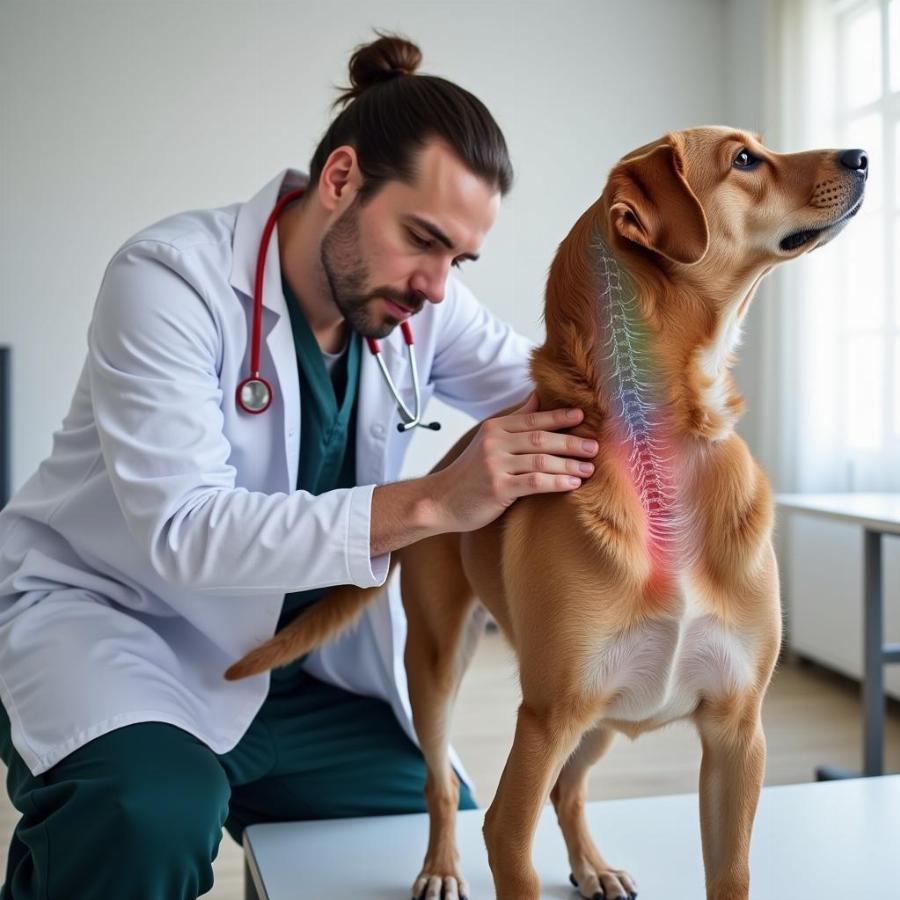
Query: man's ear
{"x":340,"y":175}
{"x":652,"y":205}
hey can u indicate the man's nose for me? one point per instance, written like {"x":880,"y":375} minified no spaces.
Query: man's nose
{"x":431,"y":281}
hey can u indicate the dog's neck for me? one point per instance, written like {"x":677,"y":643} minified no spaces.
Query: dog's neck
{"x":694,"y":336}
{"x":649,"y":363}
{"x":655,"y":356}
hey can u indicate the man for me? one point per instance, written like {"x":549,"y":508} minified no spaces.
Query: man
{"x":171,"y":530}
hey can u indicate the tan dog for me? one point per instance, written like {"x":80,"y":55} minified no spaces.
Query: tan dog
{"x":650,"y":594}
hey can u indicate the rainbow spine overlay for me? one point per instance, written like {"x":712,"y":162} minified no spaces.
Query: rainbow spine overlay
{"x":634,"y":388}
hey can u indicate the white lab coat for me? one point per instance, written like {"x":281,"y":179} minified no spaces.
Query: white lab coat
{"x":154,"y":546}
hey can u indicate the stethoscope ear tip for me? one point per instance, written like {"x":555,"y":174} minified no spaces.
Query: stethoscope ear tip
{"x":408,"y":426}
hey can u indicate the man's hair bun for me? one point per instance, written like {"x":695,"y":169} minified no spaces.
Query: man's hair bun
{"x":391,"y":111}
{"x":388,"y":57}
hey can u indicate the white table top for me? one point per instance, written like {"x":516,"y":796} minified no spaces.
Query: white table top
{"x":828,"y":839}
{"x":880,"y":512}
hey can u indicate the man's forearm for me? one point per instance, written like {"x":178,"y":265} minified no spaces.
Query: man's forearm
{"x":405,"y":512}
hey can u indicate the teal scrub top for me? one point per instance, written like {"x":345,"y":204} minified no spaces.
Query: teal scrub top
{"x":327,"y":425}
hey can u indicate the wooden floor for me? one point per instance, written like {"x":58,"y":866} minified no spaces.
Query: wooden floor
{"x":810,"y":716}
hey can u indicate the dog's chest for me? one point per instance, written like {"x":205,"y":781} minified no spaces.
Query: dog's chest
{"x":659,"y":671}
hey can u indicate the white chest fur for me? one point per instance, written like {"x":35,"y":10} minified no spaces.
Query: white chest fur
{"x":659,"y":672}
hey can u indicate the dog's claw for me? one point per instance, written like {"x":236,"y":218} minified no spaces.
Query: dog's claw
{"x":573,"y":880}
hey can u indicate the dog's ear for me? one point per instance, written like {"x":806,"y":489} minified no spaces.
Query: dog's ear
{"x":652,"y":204}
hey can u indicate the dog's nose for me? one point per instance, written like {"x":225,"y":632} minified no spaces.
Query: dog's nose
{"x":855,"y":160}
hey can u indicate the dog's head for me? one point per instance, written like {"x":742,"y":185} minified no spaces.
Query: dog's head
{"x":719,"y":198}
{"x":692,"y":223}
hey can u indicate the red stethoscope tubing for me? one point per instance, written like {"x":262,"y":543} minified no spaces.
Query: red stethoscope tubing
{"x":254,"y":394}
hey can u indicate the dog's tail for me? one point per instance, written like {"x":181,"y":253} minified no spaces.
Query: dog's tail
{"x":335,"y":612}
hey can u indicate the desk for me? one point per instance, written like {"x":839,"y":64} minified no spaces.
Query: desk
{"x":878,"y":514}
{"x":809,"y":840}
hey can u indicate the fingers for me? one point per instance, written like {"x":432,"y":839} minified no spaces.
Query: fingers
{"x":537,"y":459}
{"x":540,"y":483}
{"x":552,"y":468}
{"x":535,"y":431}
{"x":549,"y":442}
{"x":523,"y":463}
{"x":527,"y":418}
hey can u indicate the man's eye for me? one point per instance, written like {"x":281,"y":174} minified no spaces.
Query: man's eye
{"x":457,"y":263}
{"x":745,"y":160}
{"x":420,"y":242}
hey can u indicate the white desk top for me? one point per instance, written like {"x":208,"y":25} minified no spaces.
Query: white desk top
{"x":880,"y":512}
{"x":826,"y":839}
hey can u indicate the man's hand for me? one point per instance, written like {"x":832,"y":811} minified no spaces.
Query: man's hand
{"x":510,"y":457}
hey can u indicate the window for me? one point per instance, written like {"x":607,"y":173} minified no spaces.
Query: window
{"x":842,"y":57}
{"x":868,"y":115}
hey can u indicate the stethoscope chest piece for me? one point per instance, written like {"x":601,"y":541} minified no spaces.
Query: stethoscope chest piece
{"x":254,"y":395}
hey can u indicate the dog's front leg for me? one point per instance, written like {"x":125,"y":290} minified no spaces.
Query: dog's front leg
{"x":731,"y":778}
{"x":543,"y":740}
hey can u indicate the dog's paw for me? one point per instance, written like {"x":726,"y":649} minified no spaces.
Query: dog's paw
{"x":431,"y":886}
{"x":604,"y":884}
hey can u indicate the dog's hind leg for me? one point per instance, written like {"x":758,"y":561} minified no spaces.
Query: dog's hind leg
{"x":444,"y":625}
{"x":591,"y":874}
{"x":731,"y":778}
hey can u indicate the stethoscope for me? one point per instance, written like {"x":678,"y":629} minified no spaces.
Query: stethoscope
{"x":254,"y":394}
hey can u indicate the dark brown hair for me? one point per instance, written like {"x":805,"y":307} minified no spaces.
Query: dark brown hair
{"x":390,"y":113}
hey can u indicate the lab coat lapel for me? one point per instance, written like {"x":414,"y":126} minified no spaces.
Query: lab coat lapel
{"x":376,"y":419}
{"x":276,"y":326}
{"x":280,"y":342}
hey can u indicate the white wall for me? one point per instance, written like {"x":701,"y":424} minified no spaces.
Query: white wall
{"x":115,"y":114}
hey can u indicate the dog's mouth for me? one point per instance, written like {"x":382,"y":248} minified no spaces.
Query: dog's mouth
{"x":797,"y":239}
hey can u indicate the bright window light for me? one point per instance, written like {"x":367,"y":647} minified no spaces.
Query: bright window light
{"x":865,"y":392}
{"x":862,"y":52}
{"x":894,"y":43}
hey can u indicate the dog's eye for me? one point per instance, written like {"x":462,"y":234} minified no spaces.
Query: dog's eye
{"x":745,"y":160}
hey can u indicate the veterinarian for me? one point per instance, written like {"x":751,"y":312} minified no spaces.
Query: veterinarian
{"x":185,"y":514}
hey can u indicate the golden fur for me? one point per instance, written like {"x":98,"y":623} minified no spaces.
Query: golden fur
{"x":570,"y":578}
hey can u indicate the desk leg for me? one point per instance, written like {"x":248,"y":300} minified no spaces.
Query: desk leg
{"x":873,"y":649}
{"x":250,"y":892}
{"x":874,"y":658}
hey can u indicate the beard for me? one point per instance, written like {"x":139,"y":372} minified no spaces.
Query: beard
{"x":347,"y":276}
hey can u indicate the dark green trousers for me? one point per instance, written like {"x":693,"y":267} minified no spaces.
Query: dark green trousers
{"x":137,"y":814}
